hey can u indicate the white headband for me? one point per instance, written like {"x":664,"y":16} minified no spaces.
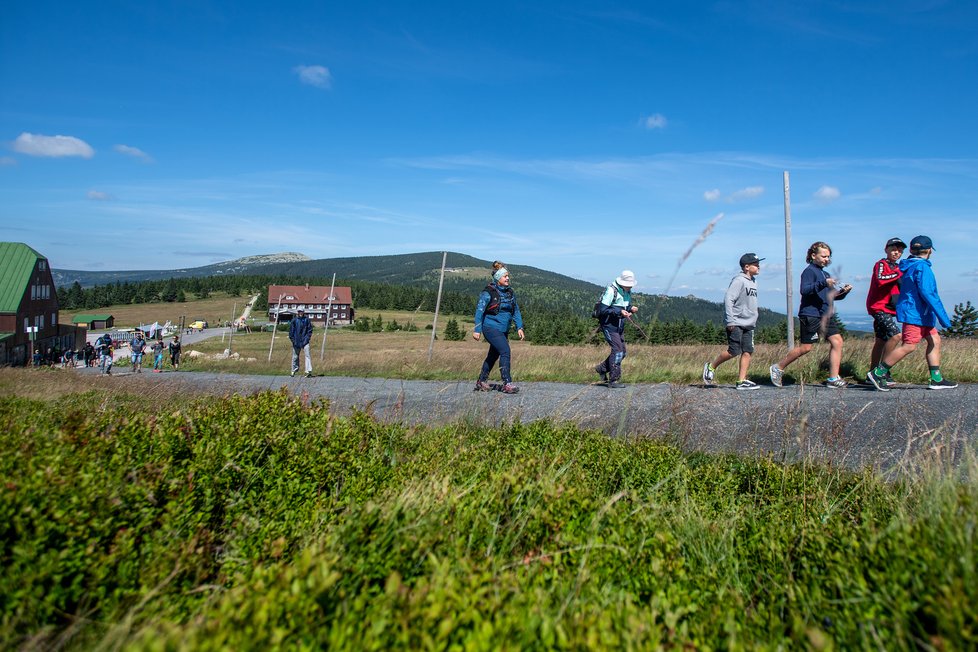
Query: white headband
{"x":501,"y":272}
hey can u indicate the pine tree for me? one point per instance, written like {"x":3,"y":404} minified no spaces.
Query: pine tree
{"x":964,"y":321}
{"x":452,"y":332}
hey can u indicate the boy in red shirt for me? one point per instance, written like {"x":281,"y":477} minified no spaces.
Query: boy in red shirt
{"x":884,"y":288}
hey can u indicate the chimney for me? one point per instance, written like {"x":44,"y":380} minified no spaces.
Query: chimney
{"x":307,"y":286}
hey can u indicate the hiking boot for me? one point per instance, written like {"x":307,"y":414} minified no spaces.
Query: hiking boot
{"x":615,"y":384}
{"x":708,"y":374}
{"x":943,"y":383}
{"x":308,"y":374}
{"x":879,"y":382}
{"x":603,"y":374}
{"x":482,"y":386}
{"x":777,"y":375}
{"x":509,"y":388}
{"x":747,"y":385}
{"x":835,"y":383}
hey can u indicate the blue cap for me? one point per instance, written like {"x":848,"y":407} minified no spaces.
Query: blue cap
{"x":921,"y":242}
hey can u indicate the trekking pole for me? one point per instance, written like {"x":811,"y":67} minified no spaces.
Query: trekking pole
{"x":638,"y":328}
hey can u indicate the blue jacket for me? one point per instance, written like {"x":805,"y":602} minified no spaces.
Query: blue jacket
{"x":918,"y":303}
{"x":613,"y":301}
{"x":509,"y":311}
{"x":300,"y":331}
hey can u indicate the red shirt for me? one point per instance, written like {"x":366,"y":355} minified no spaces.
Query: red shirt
{"x":884,"y":287}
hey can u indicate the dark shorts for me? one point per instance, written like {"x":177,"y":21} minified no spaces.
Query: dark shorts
{"x":811,"y":325}
{"x":885,"y":325}
{"x":740,"y":340}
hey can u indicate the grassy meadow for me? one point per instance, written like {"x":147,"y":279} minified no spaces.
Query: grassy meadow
{"x":216,"y":309}
{"x":405,"y":355}
{"x":171,"y":522}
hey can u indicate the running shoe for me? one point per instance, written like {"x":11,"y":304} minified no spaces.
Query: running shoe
{"x":944,"y":383}
{"x":482,"y":386}
{"x":708,"y":374}
{"x":777,"y":375}
{"x":509,"y":388}
{"x":746,"y":385}
{"x":879,"y":382}
{"x":836,"y":383}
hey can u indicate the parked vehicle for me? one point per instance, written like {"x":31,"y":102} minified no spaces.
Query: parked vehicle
{"x":198,"y":325}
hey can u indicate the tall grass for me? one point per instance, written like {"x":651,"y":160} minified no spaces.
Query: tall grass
{"x":260,"y":522}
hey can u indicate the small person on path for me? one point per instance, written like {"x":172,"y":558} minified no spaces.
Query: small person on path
{"x":136,"y":349}
{"x":740,"y":317}
{"x":495,"y":311}
{"x":884,"y":290}
{"x":816,"y":314}
{"x":158,"y":348}
{"x":103,"y":347}
{"x":300,"y":332}
{"x":175,"y":352}
{"x":920,"y":309}
{"x":615,"y":307}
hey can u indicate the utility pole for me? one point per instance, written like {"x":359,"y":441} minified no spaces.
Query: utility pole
{"x":789,"y":295}
{"x":434,"y":322}
{"x":278,"y":310}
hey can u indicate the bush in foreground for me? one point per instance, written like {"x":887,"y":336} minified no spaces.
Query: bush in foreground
{"x":256,"y":522}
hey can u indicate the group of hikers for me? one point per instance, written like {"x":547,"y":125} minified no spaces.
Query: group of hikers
{"x":902,"y":300}
{"x":104,"y":350}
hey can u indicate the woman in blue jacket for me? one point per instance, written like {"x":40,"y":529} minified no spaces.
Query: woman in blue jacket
{"x":496,"y":310}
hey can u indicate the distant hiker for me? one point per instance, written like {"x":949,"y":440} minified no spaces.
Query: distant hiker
{"x":68,"y":359}
{"x":103,"y":348}
{"x":300,"y":332}
{"x":816,"y":316}
{"x":740,"y":317}
{"x":495,"y":311}
{"x":136,"y":349}
{"x":88,"y":354}
{"x":158,"y":348}
{"x":920,"y":309}
{"x":175,"y":352}
{"x":37,"y":359}
{"x":613,"y":310}
{"x":884,"y":290}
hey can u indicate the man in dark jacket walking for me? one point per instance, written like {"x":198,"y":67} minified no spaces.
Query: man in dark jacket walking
{"x":300,"y":332}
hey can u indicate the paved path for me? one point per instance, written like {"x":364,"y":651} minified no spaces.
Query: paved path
{"x":853,"y":427}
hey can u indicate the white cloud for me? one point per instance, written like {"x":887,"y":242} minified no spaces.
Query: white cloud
{"x":712,"y":195}
{"x":318,"y":76}
{"x":7,"y":160}
{"x":134,"y":152}
{"x":827,"y":193}
{"x":656,"y":121}
{"x":98,"y":195}
{"x":52,"y":146}
{"x":747,"y":193}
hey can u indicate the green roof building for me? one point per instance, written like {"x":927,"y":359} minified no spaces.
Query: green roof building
{"x":28,"y":306}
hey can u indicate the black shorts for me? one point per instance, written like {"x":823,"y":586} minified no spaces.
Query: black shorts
{"x":885,"y":325}
{"x":810,"y":327}
{"x":740,"y":340}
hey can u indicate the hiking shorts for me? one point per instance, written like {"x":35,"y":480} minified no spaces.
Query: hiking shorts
{"x":811,"y":325}
{"x":740,"y":340}
{"x":885,"y":325}
{"x":912,"y":333}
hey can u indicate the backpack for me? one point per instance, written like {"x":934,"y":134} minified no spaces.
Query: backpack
{"x":596,"y":311}
{"x":495,"y":299}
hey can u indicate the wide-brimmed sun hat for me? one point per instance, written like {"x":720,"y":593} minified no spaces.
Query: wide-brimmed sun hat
{"x":627,"y":279}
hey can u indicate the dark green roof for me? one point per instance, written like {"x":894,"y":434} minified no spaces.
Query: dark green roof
{"x":17,"y":262}
{"x":85,"y":319}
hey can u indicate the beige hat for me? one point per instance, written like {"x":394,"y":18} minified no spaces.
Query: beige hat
{"x":627,"y":279}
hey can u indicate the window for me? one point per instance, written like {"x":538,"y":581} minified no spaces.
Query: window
{"x":27,"y":323}
{"x":42,"y":323}
{"x":42,"y":265}
{"x":33,"y":292}
{"x":54,"y":319}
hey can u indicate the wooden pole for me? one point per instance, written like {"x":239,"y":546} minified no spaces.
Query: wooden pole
{"x":278,"y":310}
{"x":329,"y":312}
{"x":434,"y":322}
{"x":788,"y":276}
{"x":234,"y":311}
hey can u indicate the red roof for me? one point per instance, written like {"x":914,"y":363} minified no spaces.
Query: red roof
{"x":308,"y":294}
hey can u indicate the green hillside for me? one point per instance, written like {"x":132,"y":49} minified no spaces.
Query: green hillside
{"x":466,"y":275}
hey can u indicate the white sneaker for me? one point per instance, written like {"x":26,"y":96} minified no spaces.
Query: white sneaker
{"x":708,"y":374}
{"x":747,"y":385}
{"x":776,"y":375}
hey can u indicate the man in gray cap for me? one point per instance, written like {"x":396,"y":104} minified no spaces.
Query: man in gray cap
{"x":300,"y":332}
{"x":740,"y":317}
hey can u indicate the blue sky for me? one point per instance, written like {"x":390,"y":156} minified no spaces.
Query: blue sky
{"x":577,"y":137}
